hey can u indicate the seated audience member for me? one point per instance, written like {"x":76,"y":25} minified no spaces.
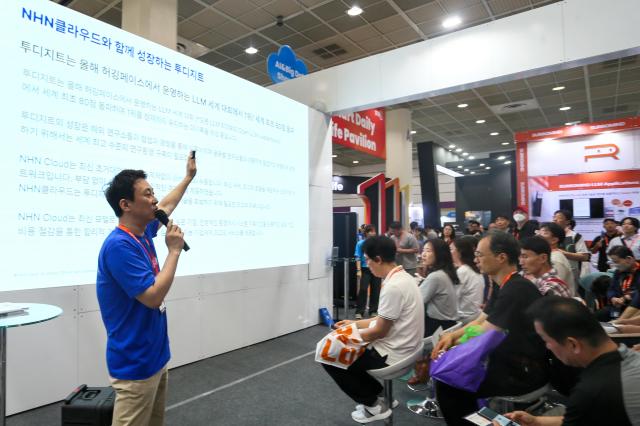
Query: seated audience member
{"x":470,"y":290}
{"x":593,"y":301}
{"x":519,"y":364}
{"x":394,"y":334}
{"x":555,"y":235}
{"x":448,"y":233}
{"x":525,"y":227}
{"x":501,"y":223}
{"x":623,"y":293}
{"x":474,"y":229}
{"x":608,"y":392}
{"x":535,"y":260}
{"x":437,"y":289}
{"x":573,"y":246}
{"x":630,"y":237}
{"x":368,"y":281}
{"x":599,"y":288}
{"x":600,"y":244}
{"x":438,"y":295}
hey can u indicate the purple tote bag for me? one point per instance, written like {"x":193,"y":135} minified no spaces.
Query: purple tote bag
{"x":464,"y":366}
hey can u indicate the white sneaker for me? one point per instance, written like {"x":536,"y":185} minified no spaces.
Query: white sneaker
{"x":394,"y":404}
{"x":371,"y":414}
{"x":358,"y":316}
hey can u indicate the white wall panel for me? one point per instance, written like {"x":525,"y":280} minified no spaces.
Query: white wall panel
{"x":92,"y":349}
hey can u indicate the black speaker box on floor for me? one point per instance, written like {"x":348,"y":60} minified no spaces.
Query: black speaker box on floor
{"x":87,"y":406}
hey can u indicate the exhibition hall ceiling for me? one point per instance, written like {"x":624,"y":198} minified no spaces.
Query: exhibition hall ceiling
{"x":323,"y":35}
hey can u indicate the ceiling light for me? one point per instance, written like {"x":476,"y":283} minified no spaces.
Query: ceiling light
{"x":466,"y":170}
{"x":251,"y":50}
{"x":452,"y":146}
{"x":459,"y":167}
{"x":473,"y":173}
{"x":505,"y":143}
{"x":567,"y":108}
{"x":459,"y":150}
{"x":413,"y":132}
{"x":507,"y":162}
{"x":487,"y":168}
{"x":494,"y":133}
{"x":463,"y":105}
{"x":334,"y":156}
{"x":502,"y":157}
{"x":481,"y":164}
{"x":355,"y":161}
{"x":354,"y":11}
{"x":451,"y":22}
{"x":472,"y":157}
{"x":572,"y":123}
{"x":558,"y":88}
{"x":481,"y":121}
{"x":464,"y":154}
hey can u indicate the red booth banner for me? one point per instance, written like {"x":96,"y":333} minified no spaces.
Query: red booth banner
{"x":363,"y":131}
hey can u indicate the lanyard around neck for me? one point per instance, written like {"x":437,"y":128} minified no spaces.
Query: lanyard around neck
{"x":152,"y":257}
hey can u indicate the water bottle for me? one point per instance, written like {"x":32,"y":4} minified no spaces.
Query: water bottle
{"x":326,"y":317}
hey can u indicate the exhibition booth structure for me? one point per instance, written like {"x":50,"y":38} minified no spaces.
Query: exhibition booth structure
{"x":590,"y":169}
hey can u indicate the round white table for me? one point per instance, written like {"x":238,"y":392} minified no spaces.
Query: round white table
{"x":33,"y":314}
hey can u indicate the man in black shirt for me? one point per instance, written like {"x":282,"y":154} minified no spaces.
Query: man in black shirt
{"x":600,"y":243}
{"x":519,"y":363}
{"x":608,"y":392}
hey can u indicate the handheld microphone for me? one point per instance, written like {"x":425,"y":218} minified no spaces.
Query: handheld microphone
{"x":161,"y":215}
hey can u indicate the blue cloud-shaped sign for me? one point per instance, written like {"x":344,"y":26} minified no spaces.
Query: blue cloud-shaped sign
{"x":284,"y":65}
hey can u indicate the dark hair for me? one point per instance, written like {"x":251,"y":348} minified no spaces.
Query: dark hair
{"x":633,"y":220}
{"x":601,"y":285}
{"x":474,"y":222}
{"x":610,"y":220}
{"x":368,"y":228}
{"x":395,"y":225}
{"x":466,"y":246}
{"x":121,"y":186}
{"x":566,"y":213}
{"x":453,"y":231}
{"x":501,"y":242}
{"x":444,"y":261}
{"x":621,"y":251}
{"x":556,"y":231}
{"x":503,"y":216}
{"x":572,"y":224}
{"x":563,"y":317}
{"x":538,"y":245}
{"x":413,"y":225}
{"x":382,"y":246}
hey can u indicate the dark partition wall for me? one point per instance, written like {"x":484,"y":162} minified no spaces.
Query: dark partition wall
{"x":345,"y":226}
{"x":494,"y":192}
{"x":429,"y":183}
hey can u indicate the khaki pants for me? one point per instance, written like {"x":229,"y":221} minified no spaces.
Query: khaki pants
{"x":140,"y":402}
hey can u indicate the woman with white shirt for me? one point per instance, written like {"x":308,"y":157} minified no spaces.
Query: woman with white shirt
{"x":439,"y":297}
{"x":437,"y":289}
{"x":470,"y":290}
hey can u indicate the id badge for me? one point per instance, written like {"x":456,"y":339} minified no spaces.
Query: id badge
{"x":163,"y":307}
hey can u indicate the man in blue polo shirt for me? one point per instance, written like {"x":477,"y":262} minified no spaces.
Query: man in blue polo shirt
{"x":131,"y":289}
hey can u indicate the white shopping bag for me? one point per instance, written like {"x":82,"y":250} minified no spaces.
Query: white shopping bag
{"x":341,"y":347}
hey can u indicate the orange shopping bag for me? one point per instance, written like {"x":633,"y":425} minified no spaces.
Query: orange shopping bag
{"x":341,"y":347}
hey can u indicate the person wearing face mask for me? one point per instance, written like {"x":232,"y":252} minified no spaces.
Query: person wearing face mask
{"x":525,"y":227}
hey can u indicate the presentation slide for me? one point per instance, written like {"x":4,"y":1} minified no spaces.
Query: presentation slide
{"x":83,"y":100}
